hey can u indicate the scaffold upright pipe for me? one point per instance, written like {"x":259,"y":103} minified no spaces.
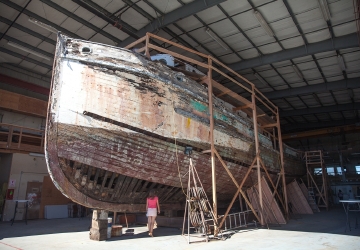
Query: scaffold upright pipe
{"x":282,"y":171}
{"x":256,"y":133}
{"x":213,"y":167}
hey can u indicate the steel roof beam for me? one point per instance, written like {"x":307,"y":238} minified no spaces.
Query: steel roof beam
{"x":26,"y":30}
{"x":80,"y":20}
{"x":343,"y":42}
{"x":16,"y":18}
{"x":350,"y":83}
{"x":325,"y":109}
{"x":22,"y":57}
{"x":321,"y":132}
{"x":317,"y":125}
{"x":18,"y":69}
{"x":40,"y":51}
{"x":172,"y":17}
{"x":39,"y":18}
{"x":107,"y":16}
{"x":150,"y":18}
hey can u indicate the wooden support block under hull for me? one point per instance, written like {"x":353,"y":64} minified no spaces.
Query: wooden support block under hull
{"x":99,"y":225}
{"x":99,"y":235}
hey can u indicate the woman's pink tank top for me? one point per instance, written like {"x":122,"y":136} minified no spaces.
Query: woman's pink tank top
{"x":152,"y":202}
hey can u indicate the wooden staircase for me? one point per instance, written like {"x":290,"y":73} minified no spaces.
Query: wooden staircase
{"x":312,"y":201}
{"x":314,"y":160}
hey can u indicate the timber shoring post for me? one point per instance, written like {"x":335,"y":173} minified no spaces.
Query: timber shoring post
{"x":257,"y":153}
{"x":213,"y":167}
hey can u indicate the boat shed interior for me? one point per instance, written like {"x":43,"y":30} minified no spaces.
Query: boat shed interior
{"x":292,"y":67}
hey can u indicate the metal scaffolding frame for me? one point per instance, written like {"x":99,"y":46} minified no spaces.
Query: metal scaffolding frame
{"x":262,"y":122}
{"x":314,"y":159}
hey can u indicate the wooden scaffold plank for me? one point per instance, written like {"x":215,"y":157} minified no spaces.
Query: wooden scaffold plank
{"x":299,"y":204}
{"x":272,"y":212}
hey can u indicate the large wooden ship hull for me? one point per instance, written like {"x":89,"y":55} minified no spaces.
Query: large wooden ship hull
{"x":118,"y":124}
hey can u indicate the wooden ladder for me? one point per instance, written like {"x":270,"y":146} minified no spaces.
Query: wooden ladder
{"x":312,"y":201}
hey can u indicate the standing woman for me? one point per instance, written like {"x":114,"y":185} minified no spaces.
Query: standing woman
{"x":152,"y":208}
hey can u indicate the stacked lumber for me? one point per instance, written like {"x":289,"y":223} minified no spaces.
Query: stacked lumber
{"x":271,"y":210}
{"x":297,"y":199}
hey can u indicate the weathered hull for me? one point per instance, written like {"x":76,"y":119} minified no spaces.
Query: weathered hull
{"x":118,"y":124}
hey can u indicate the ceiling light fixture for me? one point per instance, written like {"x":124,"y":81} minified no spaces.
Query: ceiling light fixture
{"x":216,"y":38}
{"x":341,"y":62}
{"x":18,"y":46}
{"x":263,"y":23}
{"x":324,"y":8}
{"x":297,"y":71}
{"x":262,"y":80}
{"x":43,"y":25}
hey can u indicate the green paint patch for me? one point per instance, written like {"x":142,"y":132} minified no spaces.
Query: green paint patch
{"x":220,"y":117}
{"x":204,"y":109}
{"x":199,"y":106}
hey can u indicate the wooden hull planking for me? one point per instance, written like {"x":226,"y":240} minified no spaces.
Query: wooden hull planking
{"x":114,"y":116}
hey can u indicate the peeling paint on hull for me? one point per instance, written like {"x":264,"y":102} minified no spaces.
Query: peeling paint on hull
{"x":112,"y":113}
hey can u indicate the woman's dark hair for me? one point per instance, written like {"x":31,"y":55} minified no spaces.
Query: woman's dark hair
{"x":152,"y":193}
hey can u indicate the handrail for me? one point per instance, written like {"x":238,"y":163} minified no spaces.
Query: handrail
{"x":15,"y":138}
{"x":253,"y":90}
{"x":12,"y":125}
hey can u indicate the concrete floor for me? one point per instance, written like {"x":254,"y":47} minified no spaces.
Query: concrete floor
{"x":324,"y":230}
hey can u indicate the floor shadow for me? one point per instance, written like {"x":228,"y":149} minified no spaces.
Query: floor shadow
{"x":140,"y":231}
{"x":43,"y":226}
{"x":332,"y":221}
{"x":70,"y":225}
